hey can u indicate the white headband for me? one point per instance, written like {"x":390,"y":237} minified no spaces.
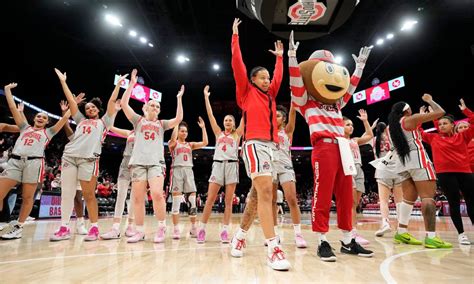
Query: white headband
{"x":406,"y":107}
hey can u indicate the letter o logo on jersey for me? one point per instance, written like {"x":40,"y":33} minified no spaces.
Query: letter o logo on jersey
{"x":213,"y":178}
{"x":266,"y":166}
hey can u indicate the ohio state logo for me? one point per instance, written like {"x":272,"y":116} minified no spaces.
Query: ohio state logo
{"x":305,"y":11}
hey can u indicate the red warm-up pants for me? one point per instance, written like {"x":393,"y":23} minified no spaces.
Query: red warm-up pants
{"x":329,"y":178}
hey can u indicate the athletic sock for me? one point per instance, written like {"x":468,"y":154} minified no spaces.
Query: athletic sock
{"x":116,"y":226}
{"x":346,"y":237}
{"x":321,"y":238}
{"x":297,"y":228}
{"x":431,"y":234}
{"x":241,"y":234}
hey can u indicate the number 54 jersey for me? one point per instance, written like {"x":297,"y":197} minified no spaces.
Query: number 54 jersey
{"x":148,"y":149}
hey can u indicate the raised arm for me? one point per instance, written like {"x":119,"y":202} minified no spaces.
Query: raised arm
{"x":19,"y":119}
{"x":127,"y":109}
{"x":64,"y":119}
{"x":215,"y":127}
{"x":9,"y":128}
{"x":67,"y":127}
{"x":123,"y":132}
{"x":205,"y":141}
{"x":355,"y":78}
{"x":299,"y":95}
{"x":174,"y":138}
{"x":368,"y":134}
{"x":21,"y":108}
{"x":179,"y":109}
{"x":278,"y":71}
{"x":290,"y":126}
{"x":469,"y":133}
{"x":113,"y":98}
{"x":67,"y":92}
{"x":238,"y":66}
{"x":240,"y":129}
{"x":412,"y":122}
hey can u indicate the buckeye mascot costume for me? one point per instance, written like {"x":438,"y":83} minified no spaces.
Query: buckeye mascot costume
{"x":320,"y":89}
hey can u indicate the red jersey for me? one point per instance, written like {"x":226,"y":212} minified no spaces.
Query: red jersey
{"x":259,"y":108}
{"x":450,"y":152}
{"x":470,"y":150}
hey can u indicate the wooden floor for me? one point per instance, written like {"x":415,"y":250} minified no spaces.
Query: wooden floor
{"x":34,"y":259}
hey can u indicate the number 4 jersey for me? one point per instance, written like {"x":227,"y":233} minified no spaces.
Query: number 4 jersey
{"x":227,"y":147}
{"x":148,"y":149}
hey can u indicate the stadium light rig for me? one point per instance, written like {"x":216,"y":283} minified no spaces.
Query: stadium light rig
{"x":113,"y":20}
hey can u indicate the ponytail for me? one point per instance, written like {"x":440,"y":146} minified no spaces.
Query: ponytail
{"x":396,"y":133}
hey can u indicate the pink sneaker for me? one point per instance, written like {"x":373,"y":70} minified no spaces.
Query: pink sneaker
{"x":113,"y":234}
{"x":300,"y":242}
{"x":359,"y":239}
{"x":93,"y":234}
{"x":176,"y":234}
{"x":193,"y":232}
{"x":62,"y":234}
{"x":139,"y":236}
{"x":130,"y":232}
{"x":201,"y":237}
{"x":160,"y":235}
{"x":224,"y":237}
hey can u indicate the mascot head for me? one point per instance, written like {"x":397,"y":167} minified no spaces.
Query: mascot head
{"x":324,"y":80}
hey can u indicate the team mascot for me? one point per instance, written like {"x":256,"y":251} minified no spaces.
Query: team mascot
{"x":320,"y":89}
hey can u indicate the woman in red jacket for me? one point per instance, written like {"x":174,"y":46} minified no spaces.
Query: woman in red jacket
{"x":463,"y":126}
{"x":256,"y":97}
{"x":452,"y":164}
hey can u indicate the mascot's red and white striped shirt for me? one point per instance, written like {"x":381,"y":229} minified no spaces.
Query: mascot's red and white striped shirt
{"x":324,"y":120}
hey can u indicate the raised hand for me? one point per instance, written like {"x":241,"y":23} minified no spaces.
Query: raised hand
{"x":423,"y":110}
{"x":62,"y":76}
{"x":206,"y":91}
{"x":374,"y":124}
{"x":21,"y":107}
{"x":80,"y":98}
{"x":427,"y":98}
{"x":201,"y":122}
{"x":462,"y":106}
{"x":278,"y":48}
{"x":64,"y":106}
{"x":292,"y":46}
{"x":134,"y":78}
{"x":121,"y":79}
{"x":362,"y":115}
{"x":118,"y":107}
{"x":362,"y":58}
{"x":11,"y":86}
{"x":181,"y":92}
{"x":235,"y":26}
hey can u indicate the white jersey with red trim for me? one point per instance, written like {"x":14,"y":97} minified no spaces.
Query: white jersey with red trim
{"x":385,"y":145}
{"x":148,"y":148}
{"x":284,"y":152}
{"x":88,"y":136}
{"x":32,"y":142}
{"x":324,"y":120}
{"x":182,"y":155}
{"x":355,"y":151}
{"x":417,"y":158}
{"x":227,"y":147}
{"x":127,"y":152}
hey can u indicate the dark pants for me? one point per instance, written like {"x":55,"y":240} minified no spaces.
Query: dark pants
{"x":452,"y":184}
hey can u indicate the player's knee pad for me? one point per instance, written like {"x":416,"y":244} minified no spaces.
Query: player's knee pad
{"x":176,"y":205}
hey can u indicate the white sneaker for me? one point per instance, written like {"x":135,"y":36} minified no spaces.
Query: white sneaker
{"x":237,"y":247}
{"x":277,"y":260}
{"x":463,"y":240}
{"x":29,"y":220}
{"x":81,"y":229}
{"x":3,"y":226}
{"x":14,"y":233}
{"x":383,"y":230}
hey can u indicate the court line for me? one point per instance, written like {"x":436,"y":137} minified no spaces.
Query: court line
{"x":117,"y":253}
{"x":385,"y":265}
